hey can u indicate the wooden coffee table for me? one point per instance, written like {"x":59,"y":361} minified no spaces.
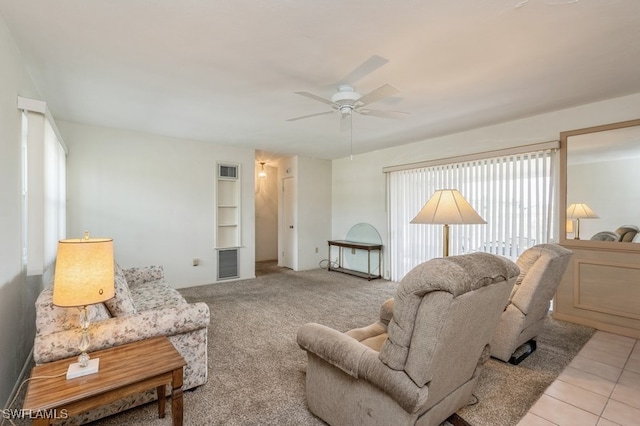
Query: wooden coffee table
{"x":124,"y":370}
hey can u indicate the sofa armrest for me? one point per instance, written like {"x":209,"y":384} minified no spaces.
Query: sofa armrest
{"x":360,"y":361}
{"x":117,"y":331}
{"x":135,"y":276}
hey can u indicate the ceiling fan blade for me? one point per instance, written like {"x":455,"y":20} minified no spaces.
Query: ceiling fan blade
{"x":367,"y":67}
{"x":311,"y":115}
{"x":318,"y":98}
{"x":382,"y":113}
{"x":377,"y":94}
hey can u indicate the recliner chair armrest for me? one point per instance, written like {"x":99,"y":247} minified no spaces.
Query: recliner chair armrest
{"x":386,"y":311}
{"x":360,"y":361}
{"x":336,"y":348}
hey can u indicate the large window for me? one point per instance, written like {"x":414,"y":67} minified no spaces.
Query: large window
{"x":514,"y":192}
{"x":44,"y":188}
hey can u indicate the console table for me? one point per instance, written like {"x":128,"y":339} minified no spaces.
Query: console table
{"x":124,"y":370}
{"x":368,"y":247}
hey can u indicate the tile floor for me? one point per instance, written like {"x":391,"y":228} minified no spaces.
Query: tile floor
{"x":601,"y":387}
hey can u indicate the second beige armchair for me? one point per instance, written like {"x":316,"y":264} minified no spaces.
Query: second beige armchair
{"x":541,"y":270}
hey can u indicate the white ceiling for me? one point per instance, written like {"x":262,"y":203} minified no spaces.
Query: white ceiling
{"x":225,"y":71}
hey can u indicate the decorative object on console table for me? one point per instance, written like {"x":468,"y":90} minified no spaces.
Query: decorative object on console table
{"x":84,"y":275}
{"x":580,"y":211}
{"x":447,"y":207}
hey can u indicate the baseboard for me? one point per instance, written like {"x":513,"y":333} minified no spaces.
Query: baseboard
{"x":21,"y":378}
{"x":598,"y":325}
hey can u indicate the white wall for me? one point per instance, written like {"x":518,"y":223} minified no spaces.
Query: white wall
{"x":155,"y":197}
{"x":266,"y":214}
{"x":17,"y":292}
{"x":358,"y":186}
{"x":611,"y":189}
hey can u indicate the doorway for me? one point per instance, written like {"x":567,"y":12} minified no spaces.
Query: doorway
{"x":266,"y":212}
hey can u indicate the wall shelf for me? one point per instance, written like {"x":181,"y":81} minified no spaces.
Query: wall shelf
{"x":228,"y":236}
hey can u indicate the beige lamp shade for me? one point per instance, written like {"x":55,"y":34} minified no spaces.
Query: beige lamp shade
{"x":448,"y":207}
{"x":84,"y":272}
{"x":580,"y":211}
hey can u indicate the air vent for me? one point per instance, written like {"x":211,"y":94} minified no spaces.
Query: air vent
{"x":227,"y":171}
{"x":227,"y":264}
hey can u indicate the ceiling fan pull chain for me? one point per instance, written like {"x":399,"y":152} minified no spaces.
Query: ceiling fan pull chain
{"x":351,"y":135}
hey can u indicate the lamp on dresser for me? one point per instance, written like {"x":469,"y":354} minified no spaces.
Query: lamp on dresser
{"x":580,"y":211}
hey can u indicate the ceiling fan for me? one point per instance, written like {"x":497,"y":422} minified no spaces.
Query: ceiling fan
{"x":346,"y":100}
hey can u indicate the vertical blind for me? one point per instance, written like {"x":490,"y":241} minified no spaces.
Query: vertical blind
{"x":44,"y":191}
{"x":55,"y":194}
{"x":516,"y":194}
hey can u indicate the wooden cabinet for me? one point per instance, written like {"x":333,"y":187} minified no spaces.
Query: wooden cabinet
{"x":601,"y":289}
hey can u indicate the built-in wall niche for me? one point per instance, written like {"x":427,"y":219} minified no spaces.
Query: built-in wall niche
{"x":228,"y":224}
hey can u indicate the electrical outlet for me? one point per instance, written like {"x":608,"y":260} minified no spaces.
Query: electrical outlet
{"x":316,"y":249}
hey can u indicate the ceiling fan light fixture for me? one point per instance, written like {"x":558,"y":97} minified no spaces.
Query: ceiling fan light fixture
{"x":346,"y":110}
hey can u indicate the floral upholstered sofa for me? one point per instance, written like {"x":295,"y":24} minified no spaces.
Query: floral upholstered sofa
{"x":144,"y":306}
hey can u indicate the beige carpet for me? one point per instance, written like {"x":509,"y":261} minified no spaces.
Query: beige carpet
{"x":505,"y":392}
{"x":256,"y":369}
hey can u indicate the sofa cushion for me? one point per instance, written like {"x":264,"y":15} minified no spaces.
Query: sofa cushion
{"x":122,"y":303}
{"x":51,"y":318}
{"x":155,"y":295}
{"x":140,"y":275}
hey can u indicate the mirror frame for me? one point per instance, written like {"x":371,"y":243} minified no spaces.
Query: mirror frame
{"x":586,"y":244}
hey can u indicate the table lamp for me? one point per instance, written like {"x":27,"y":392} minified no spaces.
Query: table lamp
{"x":447,"y":207}
{"x":83,"y":276}
{"x":580,"y":211}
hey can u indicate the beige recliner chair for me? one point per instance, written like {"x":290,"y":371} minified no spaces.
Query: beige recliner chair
{"x":627,"y":233}
{"x":423,"y":365}
{"x":541,"y":270}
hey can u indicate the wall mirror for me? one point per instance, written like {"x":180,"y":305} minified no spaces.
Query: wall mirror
{"x":600,"y":187}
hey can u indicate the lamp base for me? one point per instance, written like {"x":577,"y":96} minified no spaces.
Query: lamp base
{"x":75,"y":370}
